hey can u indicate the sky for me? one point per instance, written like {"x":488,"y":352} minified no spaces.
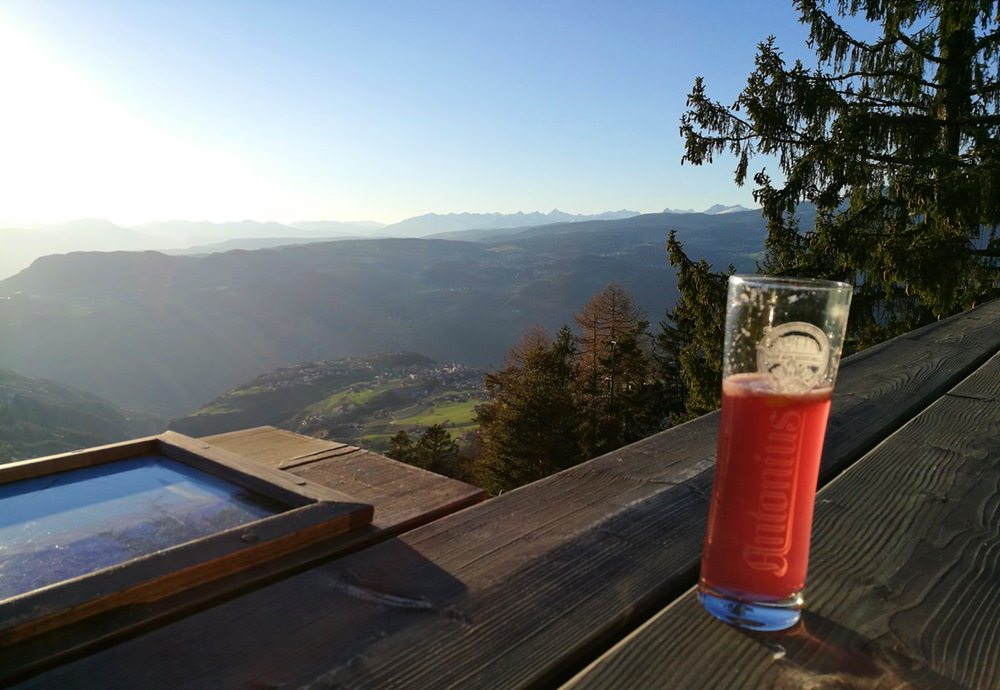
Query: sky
{"x":137,"y":111}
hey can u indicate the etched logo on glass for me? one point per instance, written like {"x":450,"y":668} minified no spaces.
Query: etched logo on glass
{"x":796,"y":355}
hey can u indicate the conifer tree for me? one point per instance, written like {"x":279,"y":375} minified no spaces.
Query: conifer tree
{"x":618,"y":392}
{"x":691,"y":336}
{"x":433,"y":449}
{"x":436,"y":450}
{"x":402,"y":447}
{"x":894,"y":140}
{"x":529,"y":427}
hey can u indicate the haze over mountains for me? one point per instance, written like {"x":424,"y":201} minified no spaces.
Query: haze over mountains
{"x":166,"y":334}
{"x":40,"y":417}
{"x":21,"y":246}
{"x":713,"y":210}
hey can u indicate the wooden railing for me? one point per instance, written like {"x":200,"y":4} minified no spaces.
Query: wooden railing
{"x":530,"y":587}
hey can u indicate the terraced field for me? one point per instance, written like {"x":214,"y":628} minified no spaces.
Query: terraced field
{"x":458,"y":416}
{"x":364,"y":401}
{"x":371,"y":414}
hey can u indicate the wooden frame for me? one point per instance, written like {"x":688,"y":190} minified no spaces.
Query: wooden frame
{"x":314,"y":514}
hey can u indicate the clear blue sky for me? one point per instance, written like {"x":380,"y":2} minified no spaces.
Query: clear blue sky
{"x":284,"y":110}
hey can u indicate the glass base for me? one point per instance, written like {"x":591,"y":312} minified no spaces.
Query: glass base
{"x":761,"y":616}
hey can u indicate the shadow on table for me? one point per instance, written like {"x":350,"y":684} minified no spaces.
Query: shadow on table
{"x":820,"y":653}
{"x":318,"y":626}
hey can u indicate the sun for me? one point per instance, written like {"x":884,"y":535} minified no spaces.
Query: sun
{"x":71,"y":151}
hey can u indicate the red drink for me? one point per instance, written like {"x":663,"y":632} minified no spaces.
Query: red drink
{"x":757,"y":543}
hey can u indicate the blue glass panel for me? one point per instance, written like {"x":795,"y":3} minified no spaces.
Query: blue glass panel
{"x":62,"y":525}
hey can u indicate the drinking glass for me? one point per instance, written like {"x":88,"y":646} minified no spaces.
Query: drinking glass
{"x":782,"y":347}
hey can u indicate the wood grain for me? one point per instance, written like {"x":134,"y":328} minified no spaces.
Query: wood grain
{"x":904,"y":585}
{"x":78,"y":459}
{"x":271,"y":446}
{"x":231,"y":467}
{"x":326,"y":468}
{"x":404,"y":496}
{"x":527,"y":588}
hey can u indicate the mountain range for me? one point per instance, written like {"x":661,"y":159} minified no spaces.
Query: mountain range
{"x":165,"y":334}
{"x":713,"y":210}
{"x":24,"y":245}
{"x":434,"y":224}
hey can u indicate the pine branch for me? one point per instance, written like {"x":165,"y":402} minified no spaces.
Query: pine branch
{"x":986,"y":39}
{"x":912,"y":45}
{"x":835,"y":78}
{"x":878,"y":102}
{"x":991,"y":88}
{"x":843,"y":36}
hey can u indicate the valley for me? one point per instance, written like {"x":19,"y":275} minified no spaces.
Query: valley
{"x":168,"y":335}
{"x":40,"y":417}
{"x":363,"y":401}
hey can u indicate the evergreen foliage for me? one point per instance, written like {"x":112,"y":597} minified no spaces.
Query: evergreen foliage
{"x":894,"y":140}
{"x":433,"y":450}
{"x":436,"y":450}
{"x":560,"y":401}
{"x":691,"y":336}
{"x":402,"y":447}
{"x":530,"y":427}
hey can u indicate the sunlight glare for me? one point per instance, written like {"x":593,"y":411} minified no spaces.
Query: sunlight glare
{"x":70,"y":152}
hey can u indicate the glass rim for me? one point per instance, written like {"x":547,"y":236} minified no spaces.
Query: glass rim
{"x":788,"y":282}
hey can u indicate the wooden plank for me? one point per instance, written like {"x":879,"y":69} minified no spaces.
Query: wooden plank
{"x":522,"y":589}
{"x":876,"y":394}
{"x":255,"y":476}
{"x":404,"y":496}
{"x":158,"y":575}
{"x":904,"y":586}
{"x":75,"y":460}
{"x":325,"y":455}
{"x":385,"y":483}
{"x":269,"y":445}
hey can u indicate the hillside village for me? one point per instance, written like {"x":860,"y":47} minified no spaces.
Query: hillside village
{"x":400,"y":396}
{"x":361,"y":400}
{"x":373,"y":370}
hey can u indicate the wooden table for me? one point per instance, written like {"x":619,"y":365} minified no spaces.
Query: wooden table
{"x":402,"y":496}
{"x":585,"y":577}
{"x":904,"y":582}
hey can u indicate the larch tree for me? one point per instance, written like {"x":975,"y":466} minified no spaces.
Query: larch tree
{"x":893,"y":139}
{"x":617,"y":390}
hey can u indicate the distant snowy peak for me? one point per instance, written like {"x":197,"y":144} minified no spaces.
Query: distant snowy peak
{"x":435,"y":223}
{"x":557,"y":216}
{"x":720,"y":209}
{"x":716,"y":210}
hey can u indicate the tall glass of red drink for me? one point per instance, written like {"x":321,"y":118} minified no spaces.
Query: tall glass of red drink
{"x":782,"y":348}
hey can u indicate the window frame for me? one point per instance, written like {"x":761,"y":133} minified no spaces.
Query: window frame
{"x":314,"y":514}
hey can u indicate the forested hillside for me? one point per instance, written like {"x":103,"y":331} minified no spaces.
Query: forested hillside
{"x":39,"y":417}
{"x":359,"y":400}
{"x":167,"y":334}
